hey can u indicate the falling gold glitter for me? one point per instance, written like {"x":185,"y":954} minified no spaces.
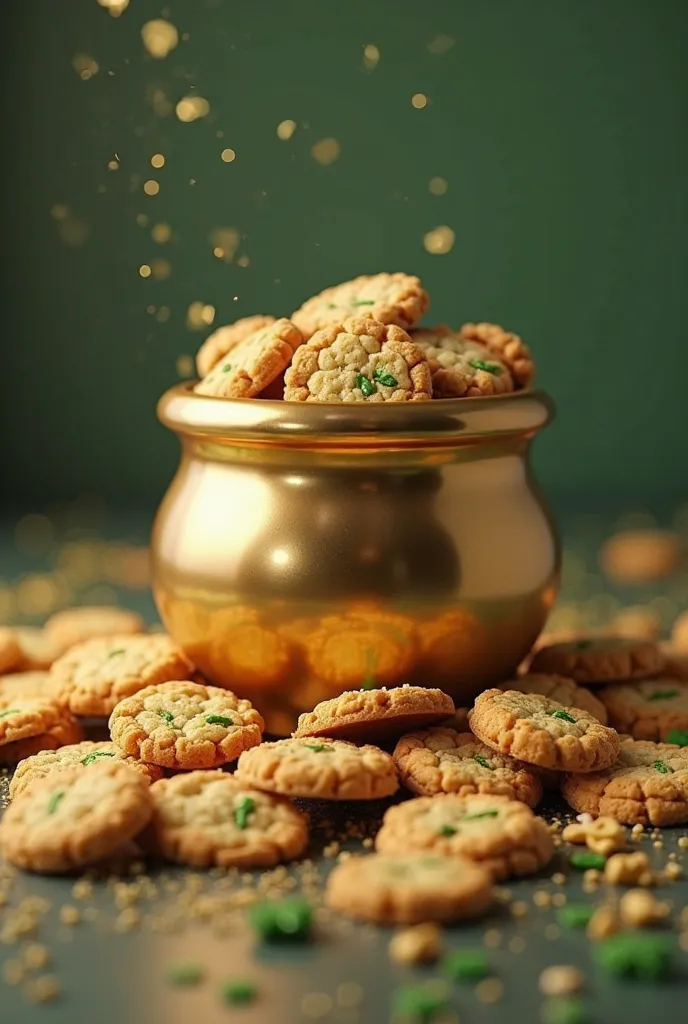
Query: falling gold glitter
{"x":185,"y":366}
{"x":151,"y":187}
{"x":438,"y":186}
{"x":159,"y":37}
{"x":113,"y":165}
{"x":145,"y":270}
{"x":163,"y":314}
{"x":86,"y":67}
{"x":74,"y":231}
{"x":161,"y":269}
{"x":371,"y":56}
{"x":285,"y":129}
{"x":191,"y":108}
{"x":59,"y":211}
{"x":199,"y":315}
{"x":157,"y":160}
{"x":228,"y":155}
{"x":161,"y":233}
{"x":419,"y":100}
{"x":439,"y":241}
{"x":243,"y":261}
{"x":225,"y":242}
{"x":142,"y":220}
{"x":326,"y":151}
{"x":114,"y":7}
{"x":160,"y":103}
{"x":440,"y":44}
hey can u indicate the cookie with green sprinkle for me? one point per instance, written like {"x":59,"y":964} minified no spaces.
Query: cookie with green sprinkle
{"x":542,"y":732}
{"x":252,"y":363}
{"x":502,"y":835}
{"x":390,"y":298}
{"x":442,"y":760}
{"x":84,"y":754}
{"x":460,"y":367}
{"x":376,"y":713}
{"x":409,"y":888}
{"x":218,"y":344}
{"x":211,"y":819}
{"x":649,"y":709}
{"x":600,"y":659}
{"x":181,"y":724}
{"x":647,"y":785}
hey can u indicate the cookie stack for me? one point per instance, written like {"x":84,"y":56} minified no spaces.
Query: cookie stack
{"x":356,"y":342}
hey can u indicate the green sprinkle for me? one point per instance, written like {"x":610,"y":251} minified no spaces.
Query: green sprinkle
{"x":241,"y":812}
{"x":465,"y":965}
{"x":369,"y":684}
{"x":483,"y":762}
{"x":184,"y":974}
{"x":55,"y":800}
{"x":646,"y":957}
{"x":227,"y":367}
{"x":480,"y":814}
{"x":563,"y":1010}
{"x":582,"y":860}
{"x":286,"y":920}
{"x":219,"y":720}
{"x":663,"y":767}
{"x":420,"y":1004}
{"x":366,"y":386}
{"x":385,"y":378}
{"x":10,"y":711}
{"x":238,"y":993}
{"x":663,"y":695}
{"x":90,"y":758}
{"x":564,"y":715}
{"x":448,"y":830}
{"x":478,"y":364}
{"x":583,"y":645}
{"x":331,"y":305}
{"x":677,"y":736}
{"x":575,"y":915}
{"x":167,"y":715}
{"x":115,"y":652}
{"x":363,"y":302}
{"x":317,"y":747}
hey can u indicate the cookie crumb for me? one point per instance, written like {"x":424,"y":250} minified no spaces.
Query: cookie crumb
{"x":13,"y":972}
{"x":639,"y":908}
{"x":35,"y":956}
{"x":626,"y":868}
{"x":490,"y":990}
{"x":420,"y":944}
{"x":561,"y":980}
{"x":602,"y":924}
{"x":44,"y":989}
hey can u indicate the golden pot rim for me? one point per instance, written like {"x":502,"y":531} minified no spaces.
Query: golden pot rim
{"x":375,"y":425}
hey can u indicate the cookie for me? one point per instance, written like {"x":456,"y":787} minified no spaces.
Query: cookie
{"x":76,"y":625}
{"x":600,"y":659}
{"x":22,"y":684}
{"x":10,"y":651}
{"x":377,"y":714}
{"x":76,"y":754}
{"x":506,"y":346}
{"x":441,"y":760}
{"x":250,"y":656}
{"x":647,"y":709}
{"x":224,"y":339}
{"x":38,"y":651}
{"x":562,"y":690}
{"x":390,"y":298}
{"x":252,"y":363}
{"x":461,"y":368}
{"x":633,"y":557}
{"x":74,"y":818}
{"x":211,"y":819}
{"x":28,"y":716}
{"x":676,"y":662}
{"x":455,"y":638}
{"x":321,"y":768}
{"x":185,"y":725}
{"x":66,"y":730}
{"x":647,"y":785}
{"x":358,"y":361}
{"x":349,"y":651}
{"x":388,"y":889}
{"x":540,"y":731}
{"x":92,"y":677}
{"x":501,"y":835}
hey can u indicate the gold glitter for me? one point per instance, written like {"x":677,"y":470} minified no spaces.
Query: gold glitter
{"x":157,"y":160}
{"x":141,"y":220}
{"x":243,"y":261}
{"x":161,"y":105}
{"x":371,"y":56}
{"x":285,"y":129}
{"x":59,"y":211}
{"x":439,"y":241}
{"x":145,"y":270}
{"x":185,"y":366}
{"x":151,"y":187}
{"x":683,"y":842}
{"x":419,"y":100}
{"x":163,"y":315}
{"x":438,"y":186}
{"x":35,"y":956}
{"x":519,"y":908}
{"x":440,"y":44}
{"x":225,"y":242}
{"x":490,"y":990}
{"x":160,"y":37}
{"x":161,"y":233}
{"x":199,"y":315}
{"x":113,"y":165}
{"x":191,"y":108}
{"x":114,"y":7}
{"x":86,"y":67}
{"x":316,"y":1005}
{"x":74,"y":231}
{"x":326,"y":151}
{"x":161,"y":269}
{"x":228,"y":155}
{"x":13,"y":972}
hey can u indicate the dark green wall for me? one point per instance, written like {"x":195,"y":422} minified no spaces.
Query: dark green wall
{"x":559,"y":125}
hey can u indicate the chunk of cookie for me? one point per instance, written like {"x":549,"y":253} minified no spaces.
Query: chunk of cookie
{"x":185,"y":725}
{"x":66,"y":730}
{"x":562,"y":690}
{"x":506,"y":346}
{"x":92,"y":677}
{"x":647,"y":785}
{"x":85,"y":754}
{"x":28,"y":716}
{"x":358,"y":361}
{"x":76,"y":625}
{"x":648,"y":709}
{"x":600,"y":659}
{"x":10,"y":651}
{"x":676,"y":662}
{"x":390,"y":298}
{"x":441,"y":760}
{"x":218,"y":344}
{"x":375,"y":714}
{"x":211,"y":819}
{"x":461,"y":368}
{"x":387,"y":889}
{"x":252,"y":363}
{"x":350,"y":651}
{"x":74,"y":818}
{"x":540,"y":731}
{"x":501,"y":835}
{"x":22,"y":684}
{"x":38,"y":650}
{"x":321,"y":768}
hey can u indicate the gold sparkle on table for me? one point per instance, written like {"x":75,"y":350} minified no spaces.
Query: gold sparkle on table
{"x":419,"y":100}
{"x":225,"y":242}
{"x":161,"y":269}
{"x":151,"y":187}
{"x":159,"y":37}
{"x":227,"y":156}
{"x":145,"y":270}
{"x":439,"y":241}
{"x":161,"y":233}
{"x":199,"y":315}
{"x":192,"y":108}
{"x":285,"y":129}
{"x":157,"y":160}
{"x":163,"y":315}
{"x":371,"y":56}
{"x":185,"y":366}
{"x":438,"y":186}
{"x":326,"y":151}
{"x":113,"y":165}
{"x":86,"y":67}
{"x":114,"y":7}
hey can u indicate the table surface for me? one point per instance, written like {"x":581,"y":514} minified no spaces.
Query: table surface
{"x":111,"y":969}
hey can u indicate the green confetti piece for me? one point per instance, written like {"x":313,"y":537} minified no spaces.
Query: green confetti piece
{"x":184,"y":973}
{"x":663,"y":767}
{"x":564,"y":1010}
{"x":366,"y":386}
{"x":564,"y":716}
{"x":492,"y":368}
{"x":575,"y":915}
{"x":645,"y":957}
{"x":227,"y":367}
{"x":318,"y":747}
{"x":219,"y":720}
{"x":238,"y":993}
{"x":583,"y":860}
{"x":421,"y":1004}
{"x":286,"y":920}
{"x":677,"y":736}
{"x":10,"y":711}
{"x":663,"y":695}
{"x":483,"y":762}
{"x":115,"y":652}
{"x":167,"y":715}
{"x":96,"y":755}
{"x":55,"y":800}
{"x":448,"y":830}
{"x":245,"y":807}
{"x":385,"y":378}
{"x":480,"y":814}
{"x":465,"y":965}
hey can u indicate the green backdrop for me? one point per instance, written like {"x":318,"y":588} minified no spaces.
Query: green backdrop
{"x":559,"y":126}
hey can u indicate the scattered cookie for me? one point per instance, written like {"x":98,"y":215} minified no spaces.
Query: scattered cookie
{"x":28,"y":716}
{"x":390,"y":298}
{"x":185,"y":725}
{"x":507,"y":346}
{"x":637,"y":621}
{"x":648,"y":785}
{"x":376,"y":714}
{"x":249,"y":656}
{"x":461,"y":368}
{"x":75,"y":625}
{"x":208,"y":819}
{"x":501,"y":835}
{"x":321,"y":768}
{"x":562,"y":690}
{"x":348,"y":651}
{"x":22,"y":684}
{"x":441,"y":760}
{"x":600,"y":659}
{"x":10,"y":651}
{"x":540,"y":731}
{"x":455,"y":638}
{"x":65,"y":730}
{"x":76,"y":754}
{"x":74,"y":818}
{"x":641,"y":556}
{"x":399,"y":889}
{"x":38,"y":650}
{"x":358,"y":361}
{"x":92,"y":677}
{"x":224,"y":339}
{"x":648,"y":709}
{"x":252,"y":363}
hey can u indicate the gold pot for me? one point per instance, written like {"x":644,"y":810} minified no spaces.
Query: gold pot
{"x":305,"y":549}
